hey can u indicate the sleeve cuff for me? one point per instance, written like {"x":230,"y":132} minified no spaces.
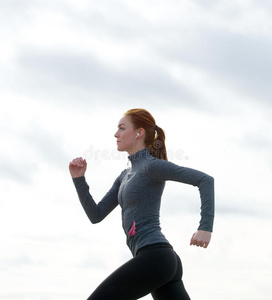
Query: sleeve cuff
{"x":79,"y":180}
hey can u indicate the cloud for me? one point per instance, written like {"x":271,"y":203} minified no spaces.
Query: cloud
{"x":27,"y":145}
{"x":18,"y":261}
{"x":259,"y":140}
{"x":242,"y":61}
{"x":67,"y":54}
{"x":21,"y":172}
{"x":49,"y":147}
{"x":65,"y":76}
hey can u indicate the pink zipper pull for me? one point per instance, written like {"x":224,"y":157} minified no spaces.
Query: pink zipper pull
{"x":132,"y":230}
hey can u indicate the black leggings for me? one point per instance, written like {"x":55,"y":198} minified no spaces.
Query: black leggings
{"x":156,"y":269}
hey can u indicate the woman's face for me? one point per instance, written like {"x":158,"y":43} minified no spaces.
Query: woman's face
{"x":125,"y":135}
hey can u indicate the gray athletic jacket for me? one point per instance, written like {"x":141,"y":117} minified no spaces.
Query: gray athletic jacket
{"x":138,"y":191}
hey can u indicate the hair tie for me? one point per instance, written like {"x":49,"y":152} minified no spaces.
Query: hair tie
{"x":156,"y":127}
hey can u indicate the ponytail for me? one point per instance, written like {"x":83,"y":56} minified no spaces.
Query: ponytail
{"x":157,"y":148}
{"x":155,"y":136}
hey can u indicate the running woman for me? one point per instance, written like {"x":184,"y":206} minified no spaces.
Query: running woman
{"x":155,"y":267}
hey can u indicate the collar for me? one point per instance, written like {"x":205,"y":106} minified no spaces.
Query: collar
{"x":140,"y":154}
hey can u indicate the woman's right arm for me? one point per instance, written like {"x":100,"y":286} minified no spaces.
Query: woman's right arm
{"x":95,"y":212}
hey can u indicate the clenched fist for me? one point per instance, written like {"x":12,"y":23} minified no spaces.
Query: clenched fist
{"x":78,"y":167}
{"x":201,"y":238}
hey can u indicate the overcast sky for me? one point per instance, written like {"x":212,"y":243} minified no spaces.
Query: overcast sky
{"x":68,"y":71}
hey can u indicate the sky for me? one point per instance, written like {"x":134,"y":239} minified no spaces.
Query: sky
{"x":68,"y":72}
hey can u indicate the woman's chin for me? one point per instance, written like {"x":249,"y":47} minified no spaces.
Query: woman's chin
{"x":119,"y":148}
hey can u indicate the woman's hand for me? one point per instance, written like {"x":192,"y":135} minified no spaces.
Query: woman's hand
{"x":201,"y":238}
{"x":78,"y":167}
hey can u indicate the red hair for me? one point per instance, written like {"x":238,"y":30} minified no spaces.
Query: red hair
{"x":154,"y":135}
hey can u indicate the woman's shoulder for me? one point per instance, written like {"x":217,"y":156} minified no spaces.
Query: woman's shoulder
{"x":155,"y":165}
{"x":123,"y":173}
{"x":120,"y":177}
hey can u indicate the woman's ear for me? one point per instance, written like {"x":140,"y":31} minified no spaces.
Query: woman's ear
{"x":141,"y":132}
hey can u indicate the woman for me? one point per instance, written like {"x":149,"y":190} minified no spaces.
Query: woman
{"x":155,"y":267}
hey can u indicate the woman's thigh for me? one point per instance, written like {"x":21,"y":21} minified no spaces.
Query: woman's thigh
{"x":171,"y":291}
{"x":174,"y":289}
{"x":139,"y":276}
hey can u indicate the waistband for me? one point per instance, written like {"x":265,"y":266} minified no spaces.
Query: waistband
{"x":154,"y":246}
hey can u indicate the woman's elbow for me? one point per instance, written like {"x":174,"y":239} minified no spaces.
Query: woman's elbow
{"x":206,"y":180}
{"x":95,"y":220}
{"x":211,"y":179}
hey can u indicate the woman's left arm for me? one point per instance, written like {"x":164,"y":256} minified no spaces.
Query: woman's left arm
{"x":164,"y":170}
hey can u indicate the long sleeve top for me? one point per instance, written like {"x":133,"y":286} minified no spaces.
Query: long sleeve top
{"x":138,"y":191}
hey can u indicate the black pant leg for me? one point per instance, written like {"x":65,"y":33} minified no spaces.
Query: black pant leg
{"x":141,"y":275}
{"x":174,"y":289}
